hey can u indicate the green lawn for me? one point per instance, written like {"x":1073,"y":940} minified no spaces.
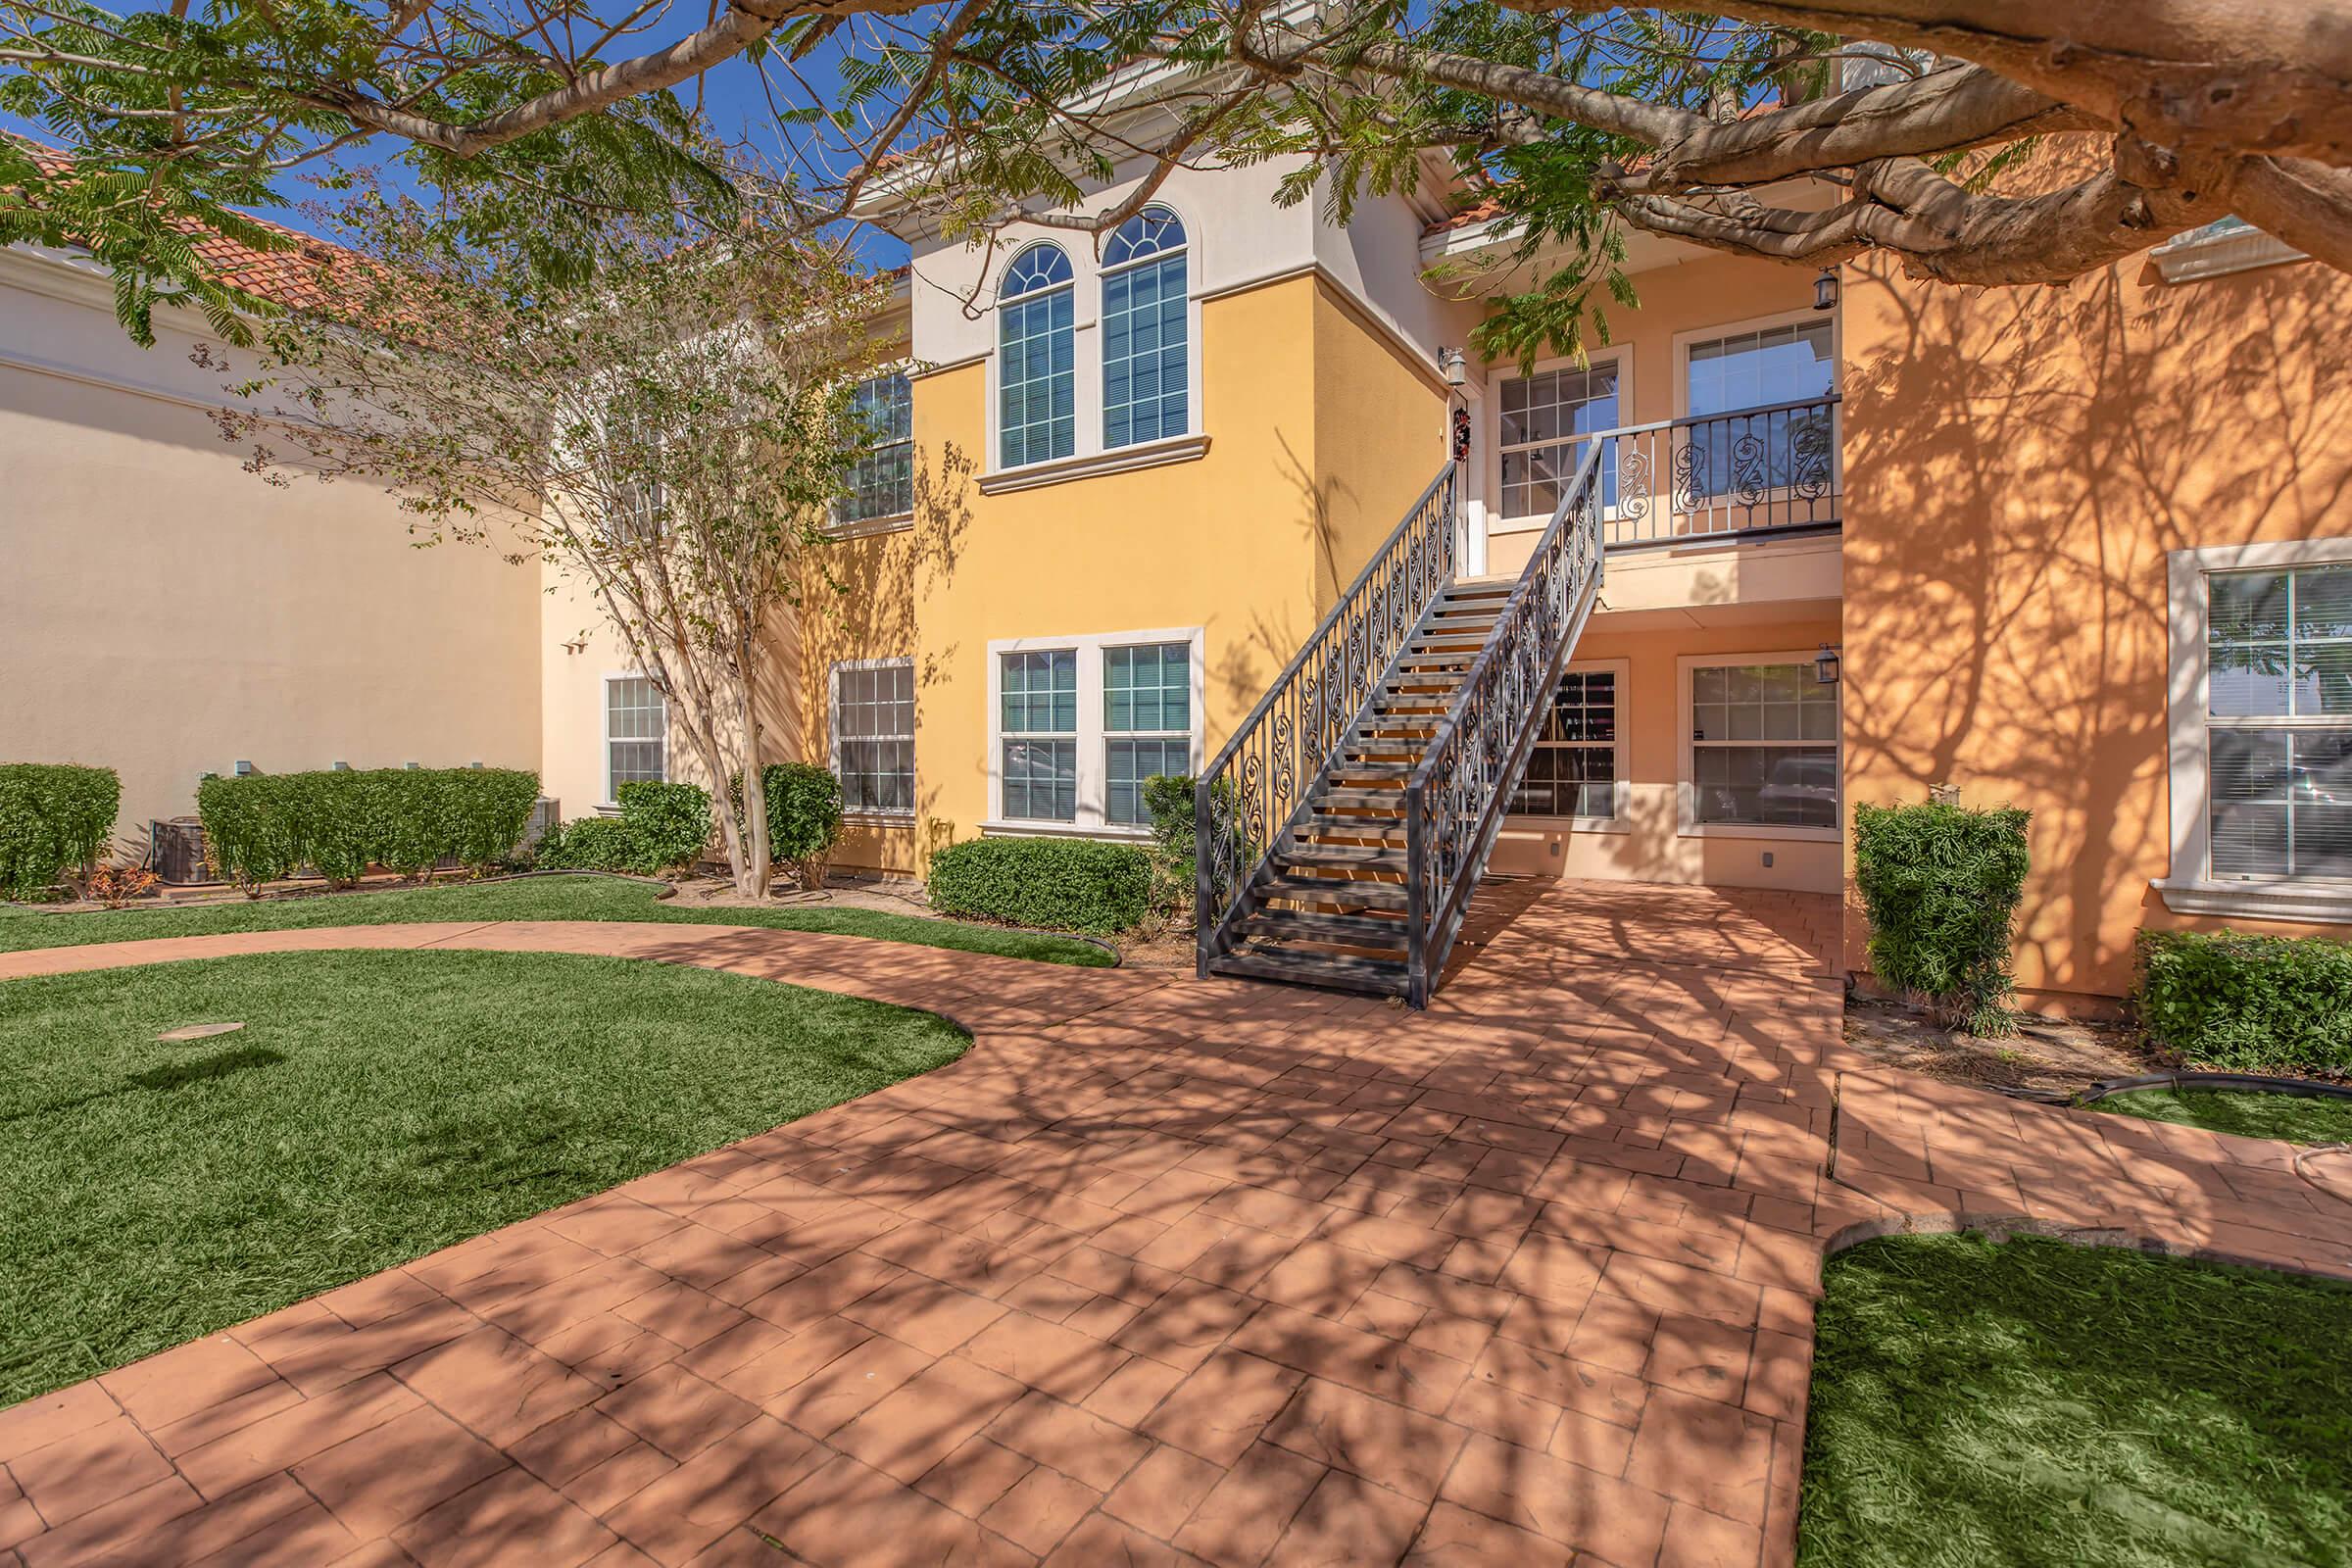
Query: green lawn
{"x":569,"y":898}
{"x":2035,"y":1403}
{"x":2293,"y":1118}
{"x":376,"y":1106}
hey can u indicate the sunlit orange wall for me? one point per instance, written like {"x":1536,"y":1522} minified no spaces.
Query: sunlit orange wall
{"x":2018,"y":462}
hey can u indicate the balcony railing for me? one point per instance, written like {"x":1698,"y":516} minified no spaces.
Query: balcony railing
{"x":1722,"y":475}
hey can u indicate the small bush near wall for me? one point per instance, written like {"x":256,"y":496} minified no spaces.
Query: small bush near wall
{"x":669,"y":824}
{"x":2250,"y":1003}
{"x":264,"y":827}
{"x":803,"y":817}
{"x":55,"y":820}
{"x":1941,"y":885}
{"x":1169,"y":799}
{"x":591,"y":844}
{"x":660,"y":827}
{"x":1053,"y":884}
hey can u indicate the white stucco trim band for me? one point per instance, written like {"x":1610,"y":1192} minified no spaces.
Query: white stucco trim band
{"x":1086,"y":464}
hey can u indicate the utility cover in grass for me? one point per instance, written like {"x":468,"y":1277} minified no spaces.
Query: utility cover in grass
{"x":1978,"y":1405}
{"x":376,"y":1107}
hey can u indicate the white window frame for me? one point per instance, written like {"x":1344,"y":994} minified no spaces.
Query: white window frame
{"x":1093,"y":769}
{"x":604,"y":723}
{"x":1088,"y":454}
{"x":1685,"y":339}
{"x":873,"y":814}
{"x":1620,"y":355}
{"x":840,"y":528}
{"x":1686,"y":786}
{"x":1621,"y":792}
{"x":2189,"y":887}
{"x":1192,"y":358}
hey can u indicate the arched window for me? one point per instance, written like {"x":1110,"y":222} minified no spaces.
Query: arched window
{"x":1144,"y":330}
{"x":1037,"y":404}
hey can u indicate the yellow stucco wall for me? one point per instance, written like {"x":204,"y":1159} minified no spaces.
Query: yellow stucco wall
{"x":2019,"y":461}
{"x":1227,"y":542}
{"x":1378,"y":437}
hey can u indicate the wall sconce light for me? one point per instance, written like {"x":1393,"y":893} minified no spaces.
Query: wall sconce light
{"x":1825,"y":289}
{"x":342,"y":767}
{"x":413,"y":767}
{"x":1825,"y":666}
{"x":244,"y":770}
{"x":1457,"y":365}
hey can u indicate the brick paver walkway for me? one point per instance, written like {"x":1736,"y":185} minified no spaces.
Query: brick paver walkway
{"x":1159,"y":1272}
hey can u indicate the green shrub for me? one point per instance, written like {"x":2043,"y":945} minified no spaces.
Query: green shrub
{"x":2250,"y":1003}
{"x":1052,"y":884}
{"x":669,"y":824}
{"x":1941,"y":885}
{"x":264,"y":827}
{"x":660,"y":827}
{"x":1169,"y":800}
{"x":55,"y":819}
{"x":803,"y":817}
{"x":590,"y":844}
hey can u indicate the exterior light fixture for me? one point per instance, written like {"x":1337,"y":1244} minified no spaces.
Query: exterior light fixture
{"x":413,"y":767}
{"x":244,"y":770}
{"x":1825,"y":289}
{"x":1457,"y":365}
{"x":1825,"y":666}
{"x":342,"y":767}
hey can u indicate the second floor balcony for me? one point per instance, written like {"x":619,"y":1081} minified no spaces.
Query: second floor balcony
{"x":1771,"y":471}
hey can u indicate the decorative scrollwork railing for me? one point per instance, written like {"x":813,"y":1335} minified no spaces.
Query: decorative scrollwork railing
{"x":1458,"y":794}
{"x":1750,"y":471}
{"x":1278,"y":755}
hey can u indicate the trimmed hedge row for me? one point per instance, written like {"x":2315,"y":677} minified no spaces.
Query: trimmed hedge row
{"x":264,"y":827}
{"x":55,"y":819}
{"x":660,"y":827}
{"x":2249,"y":1004}
{"x":1941,"y":884}
{"x":1049,"y":884}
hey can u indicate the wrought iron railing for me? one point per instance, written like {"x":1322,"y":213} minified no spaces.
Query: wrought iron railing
{"x":1756,"y":471}
{"x":1460,"y":791}
{"x":1280,"y":752}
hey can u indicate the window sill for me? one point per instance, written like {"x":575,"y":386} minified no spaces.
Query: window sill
{"x":877,"y":819}
{"x":1568,"y":824}
{"x":1747,"y":830}
{"x":867,"y":527}
{"x":997,"y":829}
{"x":1087,"y":466}
{"x":2258,"y":900}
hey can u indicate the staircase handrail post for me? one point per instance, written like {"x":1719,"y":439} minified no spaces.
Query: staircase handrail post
{"x":1416,"y":899}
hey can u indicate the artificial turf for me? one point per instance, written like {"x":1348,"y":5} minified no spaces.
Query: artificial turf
{"x":376,"y":1106}
{"x":1979,"y":1404}
{"x":2296,"y":1118}
{"x":549,"y":898}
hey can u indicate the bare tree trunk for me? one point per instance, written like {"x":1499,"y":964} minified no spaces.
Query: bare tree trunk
{"x":755,"y":876}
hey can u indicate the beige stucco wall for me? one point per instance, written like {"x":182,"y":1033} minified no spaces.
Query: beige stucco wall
{"x":165,"y":614}
{"x":1651,"y":845}
{"x":2019,"y":461}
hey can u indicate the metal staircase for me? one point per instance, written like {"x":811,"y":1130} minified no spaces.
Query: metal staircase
{"x":1344,"y":827}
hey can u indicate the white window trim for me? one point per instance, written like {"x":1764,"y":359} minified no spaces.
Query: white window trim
{"x":1685,"y":788}
{"x":1684,"y":339}
{"x":1191,"y":328}
{"x":2189,"y":888}
{"x":873,"y":816}
{"x":1620,"y":355}
{"x":1620,"y":793}
{"x":604,"y":725}
{"x":1088,"y":456}
{"x":1094,"y":782}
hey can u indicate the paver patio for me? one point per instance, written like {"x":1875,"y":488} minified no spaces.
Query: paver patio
{"x":1159,"y":1272}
